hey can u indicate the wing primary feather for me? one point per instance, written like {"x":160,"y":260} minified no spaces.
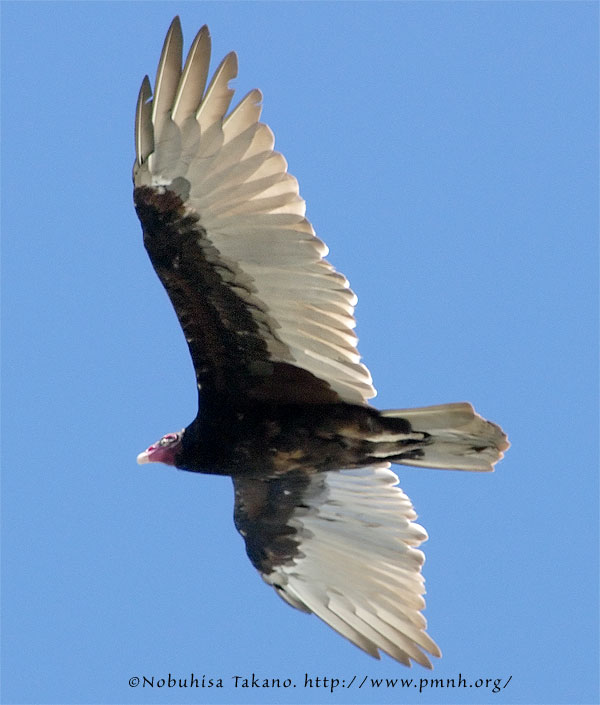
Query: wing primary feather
{"x":144,"y":137}
{"x":167,"y":75}
{"x":218,"y":94}
{"x":341,"y":626}
{"x":193,"y":79}
{"x":245,"y":114}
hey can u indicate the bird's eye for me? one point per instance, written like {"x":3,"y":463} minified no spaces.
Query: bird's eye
{"x":166,"y":440}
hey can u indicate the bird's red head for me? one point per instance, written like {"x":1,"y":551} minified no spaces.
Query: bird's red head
{"x":164,"y":451}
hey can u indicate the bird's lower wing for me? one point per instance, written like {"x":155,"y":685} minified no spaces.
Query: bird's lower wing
{"x":342,"y":545}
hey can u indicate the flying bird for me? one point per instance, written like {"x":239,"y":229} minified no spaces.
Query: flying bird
{"x":282,"y":394}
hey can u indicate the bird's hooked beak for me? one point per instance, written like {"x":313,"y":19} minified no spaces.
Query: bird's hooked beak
{"x":144,"y":457}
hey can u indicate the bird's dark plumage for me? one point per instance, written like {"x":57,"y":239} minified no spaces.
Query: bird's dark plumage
{"x":283,"y":394}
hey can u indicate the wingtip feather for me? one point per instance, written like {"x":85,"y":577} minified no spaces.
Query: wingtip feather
{"x":193,"y":78}
{"x":144,"y":139}
{"x":168,"y":73}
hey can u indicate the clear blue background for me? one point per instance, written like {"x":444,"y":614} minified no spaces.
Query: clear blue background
{"x":448,"y":156}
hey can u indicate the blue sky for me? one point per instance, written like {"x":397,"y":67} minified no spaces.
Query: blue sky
{"x":448,"y":156}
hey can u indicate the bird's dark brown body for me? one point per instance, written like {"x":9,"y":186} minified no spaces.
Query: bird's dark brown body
{"x":267,"y":440}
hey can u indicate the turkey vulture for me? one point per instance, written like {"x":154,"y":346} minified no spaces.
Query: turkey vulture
{"x":282,"y":392}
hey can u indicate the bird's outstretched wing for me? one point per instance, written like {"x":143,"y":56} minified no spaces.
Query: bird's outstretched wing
{"x":263,"y":313}
{"x":342,"y":545}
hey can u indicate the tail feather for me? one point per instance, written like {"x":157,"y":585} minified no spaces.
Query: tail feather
{"x":459,"y":439}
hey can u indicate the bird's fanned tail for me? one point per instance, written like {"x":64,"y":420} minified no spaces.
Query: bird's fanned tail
{"x":457,"y":438}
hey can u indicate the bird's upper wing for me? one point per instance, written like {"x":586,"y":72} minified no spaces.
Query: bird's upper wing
{"x":342,"y":545}
{"x":263,"y":313}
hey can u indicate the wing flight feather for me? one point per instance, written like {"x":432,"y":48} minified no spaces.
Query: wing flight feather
{"x":144,"y":133}
{"x":193,"y":79}
{"x":167,"y":76}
